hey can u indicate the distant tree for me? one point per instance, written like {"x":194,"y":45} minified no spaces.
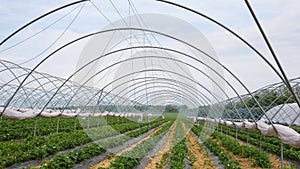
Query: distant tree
{"x":171,"y":108}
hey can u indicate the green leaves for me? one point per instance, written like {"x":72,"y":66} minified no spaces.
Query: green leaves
{"x":179,"y":154}
{"x":132,"y":158}
{"x":259,"y":158}
{"x":223,"y":156}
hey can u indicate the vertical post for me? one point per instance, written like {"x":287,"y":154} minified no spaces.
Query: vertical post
{"x":247,"y":136}
{"x":221,"y":129}
{"x":281,"y":155}
{"x":226,"y":130}
{"x":260,"y":141}
{"x":149,"y":125}
{"x":57,"y":124}
{"x":35,"y":126}
{"x":75,"y":123}
{"x":236,"y":132}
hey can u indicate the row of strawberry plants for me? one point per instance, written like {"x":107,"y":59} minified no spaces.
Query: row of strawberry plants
{"x":258,"y":158}
{"x":224,"y":157}
{"x":179,"y":154}
{"x":19,"y":129}
{"x":180,"y":150}
{"x":40,"y":147}
{"x":68,"y":160}
{"x":89,"y":151}
{"x":270,"y":144}
{"x":132,"y":158}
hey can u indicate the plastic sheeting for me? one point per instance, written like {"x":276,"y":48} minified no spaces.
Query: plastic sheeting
{"x":240,"y":124}
{"x":229,"y":123}
{"x":17,"y":115}
{"x":286,"y":134}
{"x":284,"y":114}
{"x":250,"y":126}
{"x":50,"y":114}
{"x":266,"y":129}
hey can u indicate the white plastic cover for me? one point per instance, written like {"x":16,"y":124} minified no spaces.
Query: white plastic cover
{"x":250,"y":126}
{"x":229,"y":123}
{"x":16,"y":115}
{"x":287,"y":135}
{"x":284,"y":114}
{"x":49,"y":114}
{"x":266,"y":129}
{"x":239,"y":124}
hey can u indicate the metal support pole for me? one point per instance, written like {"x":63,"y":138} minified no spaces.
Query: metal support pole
{"x":35,"y":126}
{"x":260,"y":141}
{"x":281,"y":155}
{"x":57,"y":124}
{"x":236,"y":132}
{"x":226,"y":130}
{"x":247,"y":137}
{"x":75,"y":123}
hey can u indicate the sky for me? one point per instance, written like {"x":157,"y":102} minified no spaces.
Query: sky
{"x":279,"y":18}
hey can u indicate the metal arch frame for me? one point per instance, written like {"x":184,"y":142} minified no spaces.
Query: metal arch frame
{"x":169,"y":87}
{"x":160,"y":78}
{"x":220,"y":113}
{"x":50,"y":79}
{"x":42,"y":76}
{"x":167,"y":49}
{"x":40,"y":17}
{"x":284,"y":78}
{"x":152,"y":70}
{"x":163,"y":1}
{"x":165,"y":80}
{"x":38,"y":64}
{"x":167,"y":58}
{"x":109,"y":31}
{"x":174,"y":94}
{"x":160,"y":1}
{"x":12,"y":73}
{"x":269,"y":89}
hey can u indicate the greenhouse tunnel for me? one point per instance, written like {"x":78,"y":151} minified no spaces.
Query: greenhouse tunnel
{"x":127,"y":73}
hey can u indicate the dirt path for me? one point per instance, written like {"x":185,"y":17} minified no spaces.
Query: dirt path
{"x":245,"y":163}
{"x":274,"y":159}
{"x":161,"y":157}
{"x":105,"y":163}
{"x":197,"y":155}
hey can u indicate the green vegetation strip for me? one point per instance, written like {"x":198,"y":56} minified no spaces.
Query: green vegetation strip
{"x":269,"y":143}
{"x":130,"y":159}
{"x":258,"y":158}
{"x":180,"y":150}
{"x":41,"y":146}
{"x":217,"y":150}
{"x":89,"y":151}
{"x":20,"y":129}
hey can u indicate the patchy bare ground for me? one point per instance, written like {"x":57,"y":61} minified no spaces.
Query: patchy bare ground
{"x":105,"y":163}
{"x":197,"y":155}
{"x":274,"y":159}
{"x":160,"y":158}
{"x":246,"y":162}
